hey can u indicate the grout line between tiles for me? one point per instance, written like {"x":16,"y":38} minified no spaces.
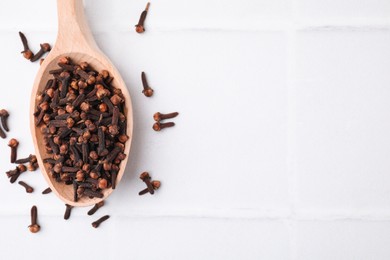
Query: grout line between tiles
{"x":259,"y":215}
{"x":259,"y":26}
{"x":292,"y":176}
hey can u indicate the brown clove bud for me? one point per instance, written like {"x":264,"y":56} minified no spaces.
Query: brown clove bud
{"x":68,"y":211}
{"x":45,"y":47}
{"x":30,"y":159}
{"x":32,"y":167}
{"x":46,"y":191}
{"x":34,"y":227}
{"x":159,"y":126}
{"x":148,"y":91}
{"x":3,"y":116}
{"x":96,"y":207}
{"x":158,"y":116}
{"x":139,"y":28}
{"x":156,"y":185}
{"x":28,"y":188}
{"x":145,"y":177}
{"x":99,"y":221}
{"x":13,"y":143}
{"x":27,"y":53}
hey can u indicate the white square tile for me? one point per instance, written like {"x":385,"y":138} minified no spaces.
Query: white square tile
{"x":200,"y":239}
{"x":28,"y":15}
{"x":199,"y":15}
{"x":342,"y":107}
{"x":58,"y":239}
{"x":343,"y":10}
{"x":346,"y":240}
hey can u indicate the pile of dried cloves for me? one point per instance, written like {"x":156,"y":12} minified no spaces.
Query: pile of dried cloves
{"x":81,"y":116}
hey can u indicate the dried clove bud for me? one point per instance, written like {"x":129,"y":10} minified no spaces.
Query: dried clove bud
{"x":159,"y":126}
{"x":96,"y":207}
{"x":28,"y":188}
{"x":156,"y":185}
{"x":158,"y":116}
{"x":13,"y":143}
{"x":4,"y":116}
{"x":45,"y":47}
{"x":97,"y":223}
{"x":34,"y":227}
{"x":145,"y":177}
{"x":148,"y":91}
{"x":27,"y":53}
{"x":68,"y":211}
{"x":46,"y":191}
{"x":139,"y":28}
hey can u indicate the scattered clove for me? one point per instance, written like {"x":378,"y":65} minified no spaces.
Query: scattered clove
{"x":159,"y":126}
{"x":155,"y":184}
{"x":30,"y":159}
{"x":140,"y":28}
{"x":28,"y":188}
{"x":4,"y":116}
{"x":46,"y":191}
{"x":27,"y":53}
{"x":68,"y":211}
{"x":31,"y":167}
{"x":148,"y":91}
{"x":45,"y":47}
{"x":13,"y":175}
{"x":34,"y":227}
{"x":96,"y":207}
{"x":13,"y":143}
{"x":158,"y":116}
{"x":145,"y":177}
{"x":2,"y":133}
{"x":97,"y":223}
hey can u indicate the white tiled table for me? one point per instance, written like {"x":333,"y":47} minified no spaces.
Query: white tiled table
{"x":281,"y":149}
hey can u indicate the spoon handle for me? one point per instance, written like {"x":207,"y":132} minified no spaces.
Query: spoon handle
{"x":73,"y":30}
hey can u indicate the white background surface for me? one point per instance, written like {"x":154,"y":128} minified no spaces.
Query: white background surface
{"x":281,"y":149}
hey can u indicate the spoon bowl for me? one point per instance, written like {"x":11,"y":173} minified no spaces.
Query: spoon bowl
{"x":75,"y":40}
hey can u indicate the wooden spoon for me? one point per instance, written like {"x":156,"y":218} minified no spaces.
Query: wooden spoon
{"x":75,"y":40}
